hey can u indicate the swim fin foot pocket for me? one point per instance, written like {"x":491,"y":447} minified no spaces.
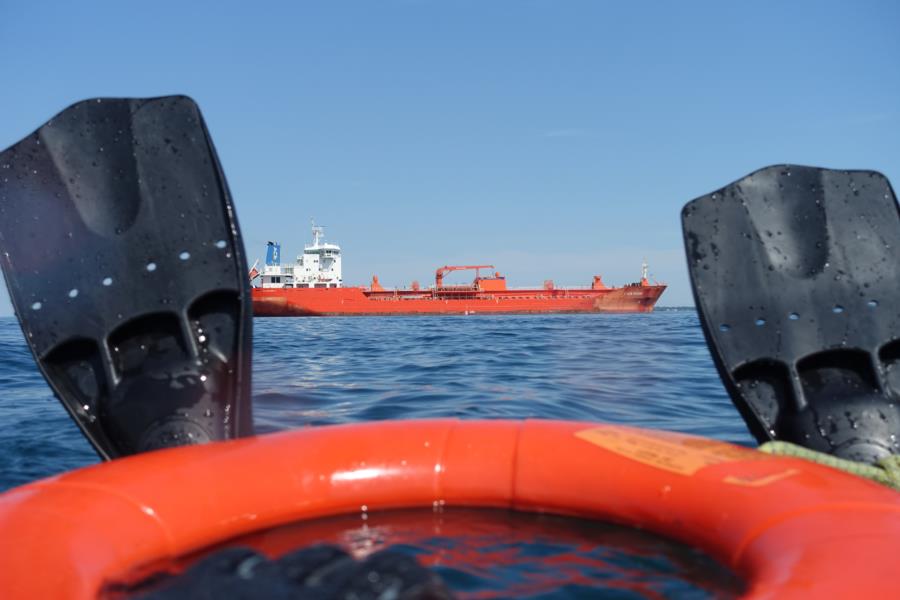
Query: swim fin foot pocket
{"x":796,"y":277}
{"x":125,"y":266}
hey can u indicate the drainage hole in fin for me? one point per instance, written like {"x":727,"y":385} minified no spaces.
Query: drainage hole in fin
{"x":77,"y":368}
{"x":832,"y":374}
{"x":848,"y":408}
{"x":839,"y":385}
{"x":890,"y":361}
{"x":215,"y":321}
{"x":765,"y":386}
{"x":150,"y":343}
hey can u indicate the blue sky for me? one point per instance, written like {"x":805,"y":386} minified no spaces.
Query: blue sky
{"x":554,"y":139}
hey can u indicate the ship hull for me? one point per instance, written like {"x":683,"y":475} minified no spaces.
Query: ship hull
{"x":358,"y":301}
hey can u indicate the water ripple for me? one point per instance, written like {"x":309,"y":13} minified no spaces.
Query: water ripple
{"x":645,"y":370}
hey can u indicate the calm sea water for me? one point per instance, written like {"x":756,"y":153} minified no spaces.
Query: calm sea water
{"x":650,"y":370}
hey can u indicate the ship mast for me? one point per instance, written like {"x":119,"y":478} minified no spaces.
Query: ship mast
{"x":317,"y":232}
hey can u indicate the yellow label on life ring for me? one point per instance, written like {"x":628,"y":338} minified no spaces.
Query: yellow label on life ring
{"x":670,"y":452}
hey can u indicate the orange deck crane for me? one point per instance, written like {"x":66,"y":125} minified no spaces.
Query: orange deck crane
{"x":439,"y":274}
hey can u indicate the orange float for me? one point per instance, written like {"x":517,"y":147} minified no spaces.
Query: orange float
{"x":790,"y":528}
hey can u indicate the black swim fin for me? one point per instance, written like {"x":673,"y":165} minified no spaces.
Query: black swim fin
{"x":796,"y":276}
{"x":125,"y":265}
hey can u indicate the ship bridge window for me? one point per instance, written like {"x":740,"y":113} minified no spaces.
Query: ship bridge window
{"x":321,"y":285}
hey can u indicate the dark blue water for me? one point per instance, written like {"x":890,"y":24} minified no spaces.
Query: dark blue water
{"x":648,"y":370}
{"x":481,"y":553}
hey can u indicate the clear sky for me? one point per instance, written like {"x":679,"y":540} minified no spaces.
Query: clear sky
{"x":554,"y":139}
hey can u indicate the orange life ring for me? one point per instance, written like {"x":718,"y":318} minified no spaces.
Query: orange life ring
{"x":787,"y":526}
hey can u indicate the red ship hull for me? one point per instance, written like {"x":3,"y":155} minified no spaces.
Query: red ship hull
{"x":296,"y":302}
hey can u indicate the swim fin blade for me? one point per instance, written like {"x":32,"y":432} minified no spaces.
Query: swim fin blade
{"x":125,"y":266}
{"x":796,"y":276}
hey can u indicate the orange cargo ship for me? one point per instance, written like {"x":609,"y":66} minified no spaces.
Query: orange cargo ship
{"x":313,"y":287}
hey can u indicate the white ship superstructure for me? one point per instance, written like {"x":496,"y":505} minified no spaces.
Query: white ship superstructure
{"x":318,"y":267}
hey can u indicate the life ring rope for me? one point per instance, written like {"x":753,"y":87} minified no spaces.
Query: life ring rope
{"x":886,"y":471}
